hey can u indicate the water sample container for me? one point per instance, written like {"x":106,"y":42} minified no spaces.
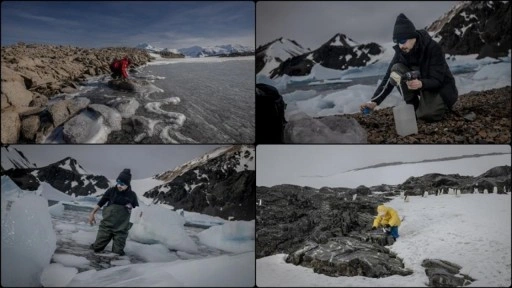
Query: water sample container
{"x":405,"y":120}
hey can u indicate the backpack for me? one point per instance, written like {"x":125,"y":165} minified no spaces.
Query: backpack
{"x":270,"y":120}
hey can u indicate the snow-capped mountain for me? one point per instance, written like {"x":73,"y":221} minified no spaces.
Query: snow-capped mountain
{"x":340,"y":52}
{"x":479,"y":27}
{"x":13,"y":158}
{"x":271,"y":55}
{"x":65,"y":175}
{"x":149,"y":47}
{"x":198,"y":51}
{"x":220,"y":183}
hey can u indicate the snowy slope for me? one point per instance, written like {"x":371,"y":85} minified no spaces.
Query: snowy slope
{"x":473,"y":231}
{"x":13,"y":158}
{"x":276,"y":52}
{"x":199,"y":51}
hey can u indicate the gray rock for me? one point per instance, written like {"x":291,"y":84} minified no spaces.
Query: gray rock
{"x":16,"y":93}
{"x":471,"y":116}
{"x":83,"y":128}
{"x":39,"y":100}
{"x":346,"y":256}
{"x":122,"y":85}
{"x":442,"y":273}
{"x":29,"y":127}
{"x":62,"y":110}
{"x":304,"y":129}
{"x":11,"y":124}
{"x":112,"y":117}
{"x":127,"y":107}
{"x":78,"y":104}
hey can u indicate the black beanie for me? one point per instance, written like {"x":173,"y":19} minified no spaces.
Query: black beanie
{"x":404,"y":29}
{"x":125,"y":176}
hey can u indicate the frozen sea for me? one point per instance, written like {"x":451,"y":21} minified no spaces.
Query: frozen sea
{"x":198,"y":100}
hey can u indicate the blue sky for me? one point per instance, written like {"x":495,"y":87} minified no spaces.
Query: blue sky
{"x":166,"y":24}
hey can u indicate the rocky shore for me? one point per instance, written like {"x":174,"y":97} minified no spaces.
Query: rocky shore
{"x":485,"y":117}
{"x":33,"y":73}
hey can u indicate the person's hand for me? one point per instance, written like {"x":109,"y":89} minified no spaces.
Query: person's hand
{"x":374,"y":228}
{"x":369,"y":105}
{"x":92,"y":220}
{"x":414,"y":84}
{"x":387,"y":225}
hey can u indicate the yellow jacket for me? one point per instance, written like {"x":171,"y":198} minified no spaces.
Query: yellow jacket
{"x":390,"y":216}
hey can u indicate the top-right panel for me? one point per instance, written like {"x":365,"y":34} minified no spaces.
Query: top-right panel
{"x":383,"y":72}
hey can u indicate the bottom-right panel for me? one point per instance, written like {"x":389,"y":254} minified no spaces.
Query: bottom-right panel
{"x":383,"y":215}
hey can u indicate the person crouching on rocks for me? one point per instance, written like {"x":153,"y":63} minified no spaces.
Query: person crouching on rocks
{"x":118,"y":68}
{"x":388,"y":218}
{"x":116,"y":215}
{"x":420,"y":73}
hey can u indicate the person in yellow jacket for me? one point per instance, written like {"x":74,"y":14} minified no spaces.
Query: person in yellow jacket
{"x":388,"y":218}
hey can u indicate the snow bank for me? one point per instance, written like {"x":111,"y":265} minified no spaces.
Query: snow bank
{"x":150,"y":253}
{"x":47,"y":191}
{"x":56,"y":275}
{"x":28,"y":239}
{"x":235,"y":236}
{"x":222,"y":271}
{"x":201,"y":219}
{"x":71,"y":260}
{"x":56,"y":210}
{"x":473,"y":231}
{"x":160,"y":225}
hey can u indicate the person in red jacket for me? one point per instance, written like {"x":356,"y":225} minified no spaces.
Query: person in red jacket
{"x":118,"y":68}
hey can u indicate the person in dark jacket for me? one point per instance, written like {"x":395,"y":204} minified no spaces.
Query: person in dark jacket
{"x":434,"y":92}
{"x":118,"y":68}
{"x":116,"y":216}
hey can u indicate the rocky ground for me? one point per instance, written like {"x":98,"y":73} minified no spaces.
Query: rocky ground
{"x":32,"y":74}
{"x":327,"y":230}
{"x":488,"y":121}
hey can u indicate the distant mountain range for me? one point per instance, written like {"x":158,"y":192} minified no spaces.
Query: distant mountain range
{"x":220,"y":183}
{"x":199,"y":51}
{"x":470,"y":27}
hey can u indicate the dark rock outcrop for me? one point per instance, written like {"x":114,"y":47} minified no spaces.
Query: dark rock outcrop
{"x":475,"y":27}
{"x":122,"y":85}
{"x":442,"y":273}
{"x":346,"y":256}
{"x":66,"y":176}
{"x":340,"y":52}
{"x":217,"y":186}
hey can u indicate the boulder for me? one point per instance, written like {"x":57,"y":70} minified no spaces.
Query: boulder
{"x":16,"y":93}
{"x":111,"y":116}
{"x":85,"y":127}
{"x":126,"y":107}
{"x":346,"y":256}
{"x":10,"y":127}
{"x":29,"y":127}
{"x":442,"y":273}
{"x":5,"y":103}
{"x":39,"y":100}
{"x":62,"y":110}
{"x":122,"y":85}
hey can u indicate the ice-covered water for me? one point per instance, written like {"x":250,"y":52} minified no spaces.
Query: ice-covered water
{"x":183,"y":102}
{"x":74,"y":236}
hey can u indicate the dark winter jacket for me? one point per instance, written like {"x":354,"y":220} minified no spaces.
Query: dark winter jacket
{"x":435,"y":73}
{"x":114,"y":196}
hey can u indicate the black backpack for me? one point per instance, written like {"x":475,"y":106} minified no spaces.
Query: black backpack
{"x":270,"y":121}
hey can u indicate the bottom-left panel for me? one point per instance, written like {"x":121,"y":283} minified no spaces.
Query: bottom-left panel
{"x":128,"y":215}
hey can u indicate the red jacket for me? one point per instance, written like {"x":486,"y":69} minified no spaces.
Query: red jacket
{"x":120,"y":65}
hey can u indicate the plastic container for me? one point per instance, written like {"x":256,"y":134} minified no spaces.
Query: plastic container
{"x":405,"y":120}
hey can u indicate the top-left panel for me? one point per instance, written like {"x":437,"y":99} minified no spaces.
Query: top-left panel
{"x":128,"y":72}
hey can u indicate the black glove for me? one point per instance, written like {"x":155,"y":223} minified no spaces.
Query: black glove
{"x":374,"y":228}
{"x":387,"y":225}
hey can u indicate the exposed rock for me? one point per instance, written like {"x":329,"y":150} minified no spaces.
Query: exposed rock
{"x":304,"y":129}
{"x":122,"y":85}
{"x":127,"y":107}
{"x":66,"y":176}
{"x":5,"y":102}
{"x":16,"y":93}
{"x":62,"y":110}
{"x":346,"y":256}
{"x":39,"y":100}
{"x":29,"y":127}
{"x":493,"y":116}
{"x":84,"y":127}
{"x":111,"y":116}
{"x":442,"y":273}
{"x":10,"y":127}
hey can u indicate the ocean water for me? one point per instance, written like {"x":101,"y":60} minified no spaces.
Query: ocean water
{"x":183,"y":102}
